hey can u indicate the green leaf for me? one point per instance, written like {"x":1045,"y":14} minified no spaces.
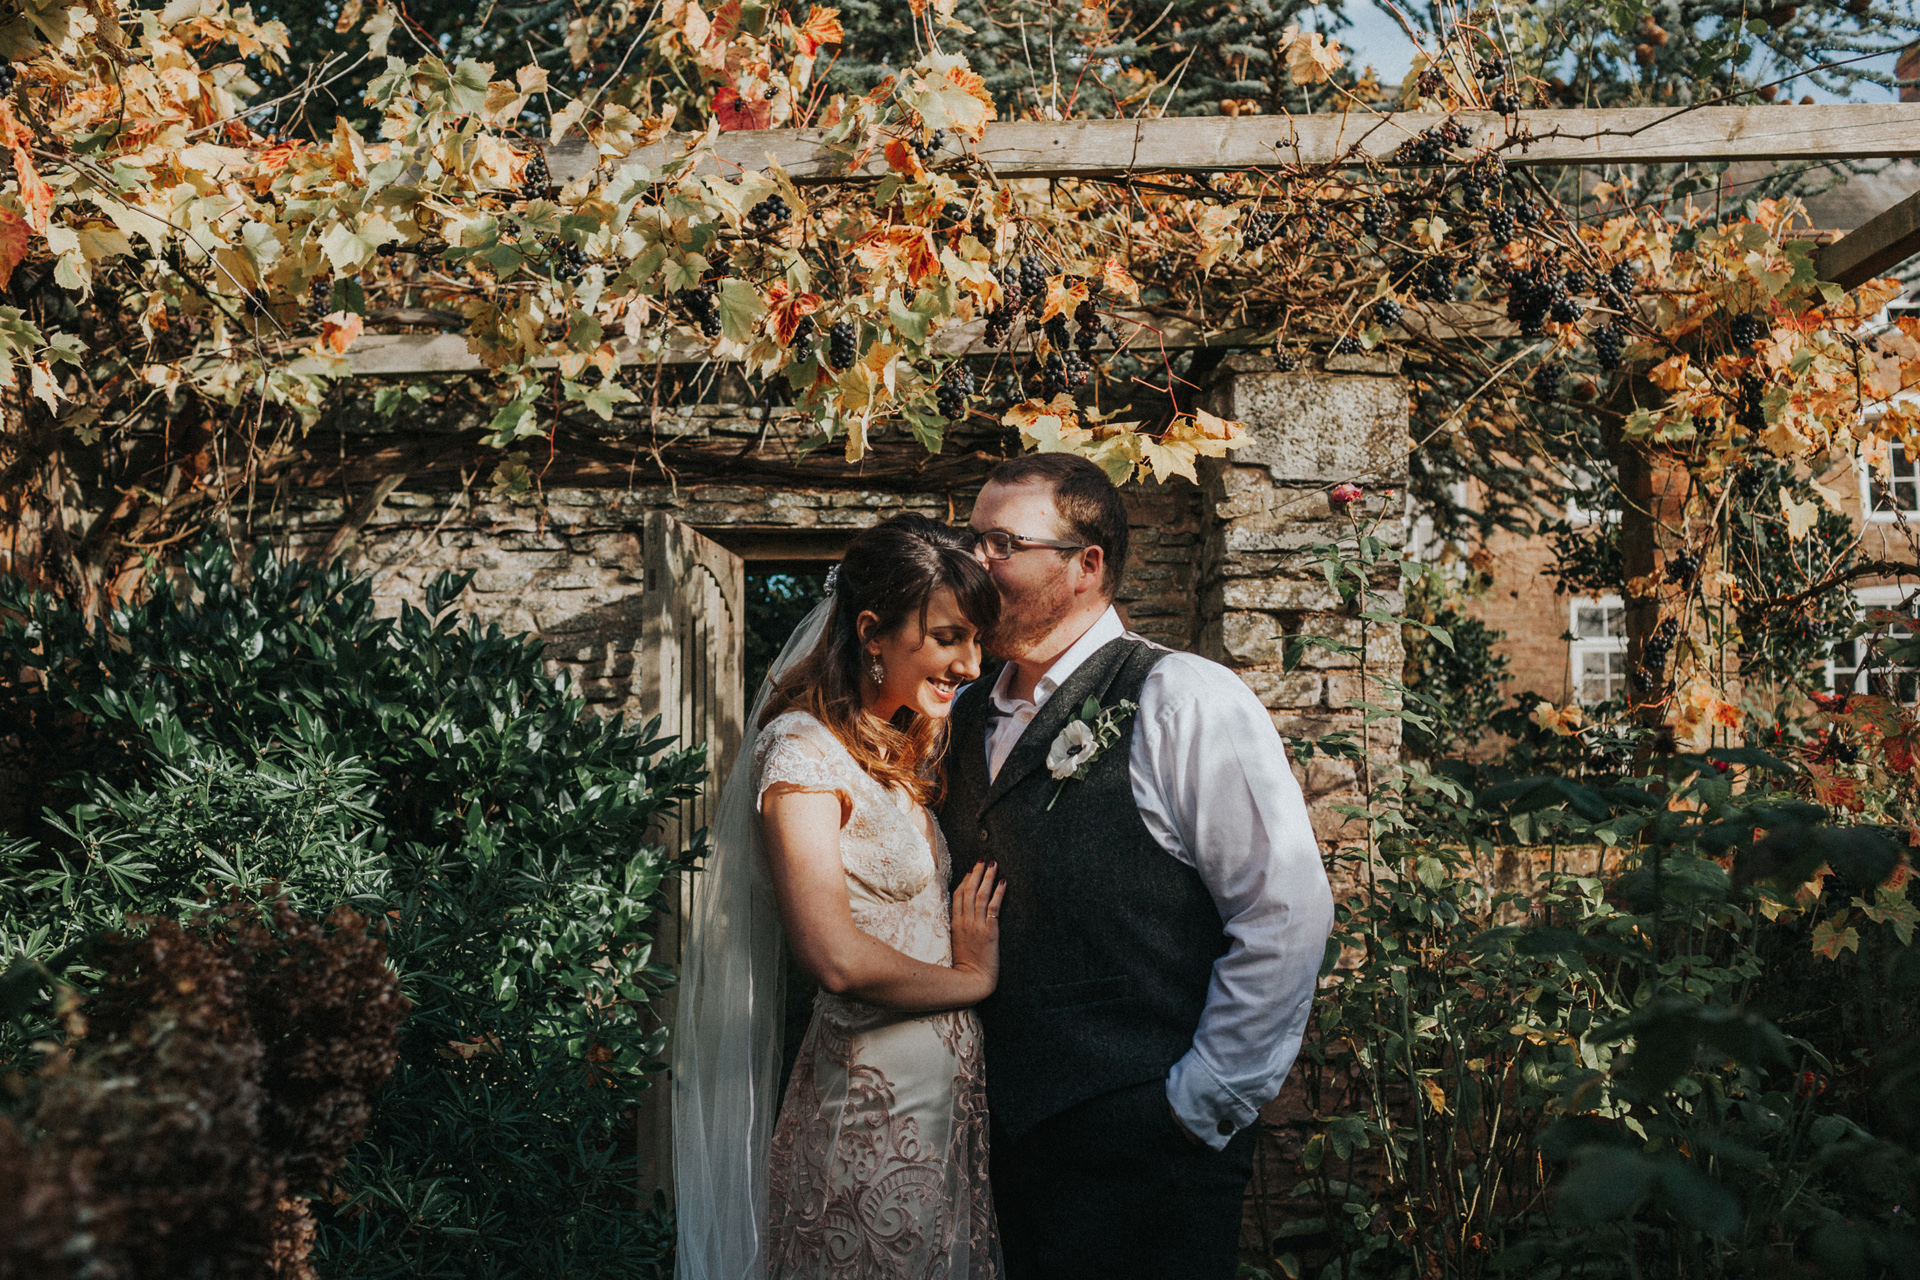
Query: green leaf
{"x":467,"y":91}
{"x":1605,"y":1184}
{"x":602,"y":398}
{"x":515,"y":420}
{"x":741,"y":307}
{"x":911,"y":324}
{"x":684,"y":272}
{"x":1698,"y":1200}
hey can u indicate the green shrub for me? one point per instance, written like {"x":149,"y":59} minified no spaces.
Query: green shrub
{"x":1691,"y":1048}
{"x":234,"y":729}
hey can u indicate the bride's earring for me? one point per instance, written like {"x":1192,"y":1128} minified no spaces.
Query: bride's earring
{"x":877,"y":670}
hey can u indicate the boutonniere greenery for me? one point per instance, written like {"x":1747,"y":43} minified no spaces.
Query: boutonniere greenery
{"x":1083,"y":740}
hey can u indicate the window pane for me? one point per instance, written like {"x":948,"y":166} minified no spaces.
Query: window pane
{"x":1600,"y":675}
{"x":1596,"y":622}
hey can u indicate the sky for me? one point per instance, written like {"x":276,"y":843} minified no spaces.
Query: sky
{"x":1375,"y":37}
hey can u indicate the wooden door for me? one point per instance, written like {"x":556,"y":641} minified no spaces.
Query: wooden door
{"x":692,"y":641}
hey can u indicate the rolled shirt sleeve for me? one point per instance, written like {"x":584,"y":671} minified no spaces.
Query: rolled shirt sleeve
{"x":1210,"y":777}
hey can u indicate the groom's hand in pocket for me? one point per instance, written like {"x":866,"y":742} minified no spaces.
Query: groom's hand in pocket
{"x":1180,"y":1127}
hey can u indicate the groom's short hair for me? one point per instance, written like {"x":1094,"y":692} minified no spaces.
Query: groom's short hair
{"x":1089,"y":505}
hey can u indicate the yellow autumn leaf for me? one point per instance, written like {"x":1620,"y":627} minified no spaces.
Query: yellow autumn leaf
{"x":503,"y":103}
{"x":1800,"y":515}
{"x":1670,"y":374}
{"x":1048,"y":426}
{"x":1311,"y":57}
{"x":948,"y":95}
{"x":1436,"y":1096}
{"x":1117,"y":279}
{"x":1563,"y":721}
{"x":1063,"y":299}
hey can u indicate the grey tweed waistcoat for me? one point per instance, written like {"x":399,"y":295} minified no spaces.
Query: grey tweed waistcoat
{"x":1107,"y":941}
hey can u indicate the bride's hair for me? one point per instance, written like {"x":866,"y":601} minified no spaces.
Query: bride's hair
{"x":893,"y":570}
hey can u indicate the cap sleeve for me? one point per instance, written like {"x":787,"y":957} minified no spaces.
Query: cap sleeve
{"x":798,"y":753}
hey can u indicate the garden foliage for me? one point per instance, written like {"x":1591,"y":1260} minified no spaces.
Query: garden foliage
{"x":218,"y":1075}
{"x":238,"y":728}
{"x":1646,"y":1016}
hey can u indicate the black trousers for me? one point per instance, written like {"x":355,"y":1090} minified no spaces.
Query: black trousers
{"x":1111,"y":1190}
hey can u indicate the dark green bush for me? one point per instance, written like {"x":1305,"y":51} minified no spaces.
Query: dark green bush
{"x":235,"y":728}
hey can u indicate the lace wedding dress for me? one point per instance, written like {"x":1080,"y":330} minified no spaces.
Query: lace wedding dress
{"x":879,"y":1156}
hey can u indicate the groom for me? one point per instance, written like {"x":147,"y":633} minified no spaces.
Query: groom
{"x":1166,"y":908}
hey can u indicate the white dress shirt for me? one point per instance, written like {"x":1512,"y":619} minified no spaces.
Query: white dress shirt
{"x":1211,"y":780}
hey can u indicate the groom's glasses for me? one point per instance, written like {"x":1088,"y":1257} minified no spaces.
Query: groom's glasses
{"x":1000,"y":545}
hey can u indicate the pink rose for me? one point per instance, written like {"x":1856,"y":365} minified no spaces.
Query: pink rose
{"x":1347,"y":492}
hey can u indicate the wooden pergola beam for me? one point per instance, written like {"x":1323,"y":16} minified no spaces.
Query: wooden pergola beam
{"x":394,"y":355}
{"x":1873,"y":249}
{"x":1204,"y":144}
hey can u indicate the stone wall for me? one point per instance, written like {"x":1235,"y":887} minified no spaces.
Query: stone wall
{"x":1267,"y":605}
{"x":565,"y":566}
{"x":1226,"y":568}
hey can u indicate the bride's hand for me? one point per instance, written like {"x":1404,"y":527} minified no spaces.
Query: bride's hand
{"x":976,"y":925}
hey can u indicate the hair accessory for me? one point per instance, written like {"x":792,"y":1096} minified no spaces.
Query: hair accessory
{"x":877,"y":670}
{"x":833,"y":580}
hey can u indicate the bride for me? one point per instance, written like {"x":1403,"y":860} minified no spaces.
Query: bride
{"x":877,"y":1165}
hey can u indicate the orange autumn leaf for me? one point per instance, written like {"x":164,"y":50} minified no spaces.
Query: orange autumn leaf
{"x":340,"y":329}
{"x":736,"y":113}
{"x":975,"y":85}
{"x":786,"y":313}
{"x":1834,"y":791}
{"x":34,"y":191}
{"x":12,"y":132}
{"x":822,"y":27}
{"x":902,"y":158}
{"x":1117,"y":279}
{"x":14,"y":237}
{"x":1670,"y":374}
{"x":1063,"y":299}
{"x":903,"y":252}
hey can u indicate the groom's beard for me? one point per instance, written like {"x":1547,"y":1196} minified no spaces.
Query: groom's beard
{"x":1027,"y":618}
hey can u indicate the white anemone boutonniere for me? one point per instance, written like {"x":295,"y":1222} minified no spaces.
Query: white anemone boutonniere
{"x":1082,"y":741}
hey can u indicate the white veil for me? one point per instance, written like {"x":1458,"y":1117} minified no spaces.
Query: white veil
{"x":726,"y":1037}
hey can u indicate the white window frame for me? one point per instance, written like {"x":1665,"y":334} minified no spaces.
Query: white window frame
{"x":1864,"y":599}
{"x":1578,"y":515}
{"x":1897,"y":515}
{"x":1580,"y":648}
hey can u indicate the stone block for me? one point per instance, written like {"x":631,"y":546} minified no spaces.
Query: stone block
{"x":1318,"y":428}
{"x":493,"y":581}
{"x":1324,"y":774}
{"x":574,"y":581}
{"x":1331,"y":827}
{"x":1281,"y":594}
{"x":1284,"y":688}
{"x":1346,"y":689}
{"x":1247,"y":639}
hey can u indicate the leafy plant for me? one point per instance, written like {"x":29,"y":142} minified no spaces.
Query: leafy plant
{"x":1653,"y":1016}
{"x":236,"y":728}
{"x":216,"y":1077}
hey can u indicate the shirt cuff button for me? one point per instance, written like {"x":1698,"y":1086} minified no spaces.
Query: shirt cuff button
{"x":1224,"y":1128}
